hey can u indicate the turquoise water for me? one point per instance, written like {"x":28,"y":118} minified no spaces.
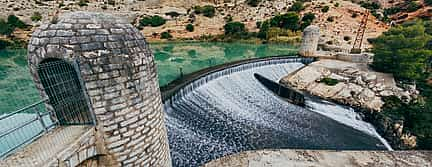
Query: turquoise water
{"x":190,"y":57}
{"x":17,"y":89}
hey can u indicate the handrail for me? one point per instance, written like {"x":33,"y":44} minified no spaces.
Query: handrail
{"x":23,"y":109}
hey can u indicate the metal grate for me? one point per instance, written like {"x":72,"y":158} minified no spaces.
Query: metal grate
{"x":65,"y":93}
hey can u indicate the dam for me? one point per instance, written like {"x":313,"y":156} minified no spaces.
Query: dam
{"x":101,"y":106}
{"x":229,"y":111}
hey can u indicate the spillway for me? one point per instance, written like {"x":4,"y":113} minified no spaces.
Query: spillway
{"x":229,"y":111}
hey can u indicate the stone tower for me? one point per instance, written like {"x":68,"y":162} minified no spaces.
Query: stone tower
{"x":310,"y":39}
{"x":118,"y":77}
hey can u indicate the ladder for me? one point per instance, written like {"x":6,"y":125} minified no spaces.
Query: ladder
{"x":360,"y":34}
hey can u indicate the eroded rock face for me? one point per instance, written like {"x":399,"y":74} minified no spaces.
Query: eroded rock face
{"x":357,"y":85}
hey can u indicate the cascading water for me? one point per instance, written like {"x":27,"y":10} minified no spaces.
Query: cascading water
{"x":229,"y":111}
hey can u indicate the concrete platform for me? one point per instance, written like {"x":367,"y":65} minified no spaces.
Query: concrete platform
{"x":47,"y":148}
{"x":325,"y":158}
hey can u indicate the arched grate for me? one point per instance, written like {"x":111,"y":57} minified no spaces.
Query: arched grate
{"x":61,"y":82}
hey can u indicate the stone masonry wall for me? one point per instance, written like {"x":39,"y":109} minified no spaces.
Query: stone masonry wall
{"x":310,"y":40}
{"x":120,"y":77}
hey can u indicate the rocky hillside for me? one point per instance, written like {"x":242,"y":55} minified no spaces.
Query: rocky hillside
{"x":339,"y":23}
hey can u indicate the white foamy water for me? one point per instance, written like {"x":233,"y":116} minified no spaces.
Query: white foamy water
{"x":230,"y":111}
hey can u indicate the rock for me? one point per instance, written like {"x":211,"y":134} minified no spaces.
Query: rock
{"x":366,"y":95}
{"x":386,"y":93}
{"x":369,"y":77}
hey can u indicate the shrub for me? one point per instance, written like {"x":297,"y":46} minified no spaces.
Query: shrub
{"x":428,"y":2}
{"x":4,"y":44}
{"x":337,"y":4}
{"x":258,"y":24}
{"x":153,"y":21}
{"x":173,"y":14}
{"x":370,"y":5}
{"x":330,"y":18}
{"x":413,"y":6}
{"x":297,"y":6}
{"x":354,"y":15}
{"x":104,"y":7}
{"x":229,"y":18}
{"x":82,"y":3}
{"x":16,"y":22}
{"x":5,"y":28}
{"x":253,"y":3}
{"x":36,"y":16}
{"x":347,"y":38}
{"x":190,"y":27}
{"x":307,"y":20}
{"x":234,"y":28}
{"x":329,"y":81}
{"x":289,"y":20}
{"x":325,"y":9}
{"x":166,"y":35}
{"x":207,"y":10}
{"x":111,"y":2}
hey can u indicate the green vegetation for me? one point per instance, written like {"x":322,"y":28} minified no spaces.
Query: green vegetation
{"x":403,"y":51}
{"x":297,"y":6}
{"x":235,"y":28}
{"x":289,"y":20}
{"x":325,"y":9}
{"x":83,"y":3}
{"x":16,"y":22}
{"x":190,"y":28}
{"x":173,"y":14}
{"x":253,"y":3}
{"x":166,"y":35}
{"x":207,"y":10}
{"x":371,"y":5}
{"x":330,"y":18}
{"x":428,"y":2}
{"x":406,"y":52}
{"x":329,"y":81}
{"x":307,"y":20}
{"x":36,"y":16}
{"x":5,"y":28}
{"x":9,"y":26}
{"x":111,"y":2}
{"x":285,"y":26}
{"x":153,"y":21}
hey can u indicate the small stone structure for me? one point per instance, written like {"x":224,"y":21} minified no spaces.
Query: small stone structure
{"x":118,"y":75}
{"x":310,"y":40}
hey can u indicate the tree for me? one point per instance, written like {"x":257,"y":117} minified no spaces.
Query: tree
{"x":264,"y":27}
{"x":253,"y":3}
{"x":166,"y":35}
{"x":190,"y":27}
{"x":307,"y":20}
{"x":297,"y":6}
{"x":153,"y":21}
{"x":207,"y":10}
{"x":5,"y":28}
{"x":403,"y":51}
{"x":325,"y":9}
{"x":289,"y":20}
{"x":234,"y":28}
{"x":83,"y":3}
{"x":16,"y":22}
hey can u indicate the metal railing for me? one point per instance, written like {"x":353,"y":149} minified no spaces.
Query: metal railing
{"x":23,"y":126}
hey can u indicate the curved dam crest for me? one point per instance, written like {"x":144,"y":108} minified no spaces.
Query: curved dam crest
{"x":229,"y":111}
